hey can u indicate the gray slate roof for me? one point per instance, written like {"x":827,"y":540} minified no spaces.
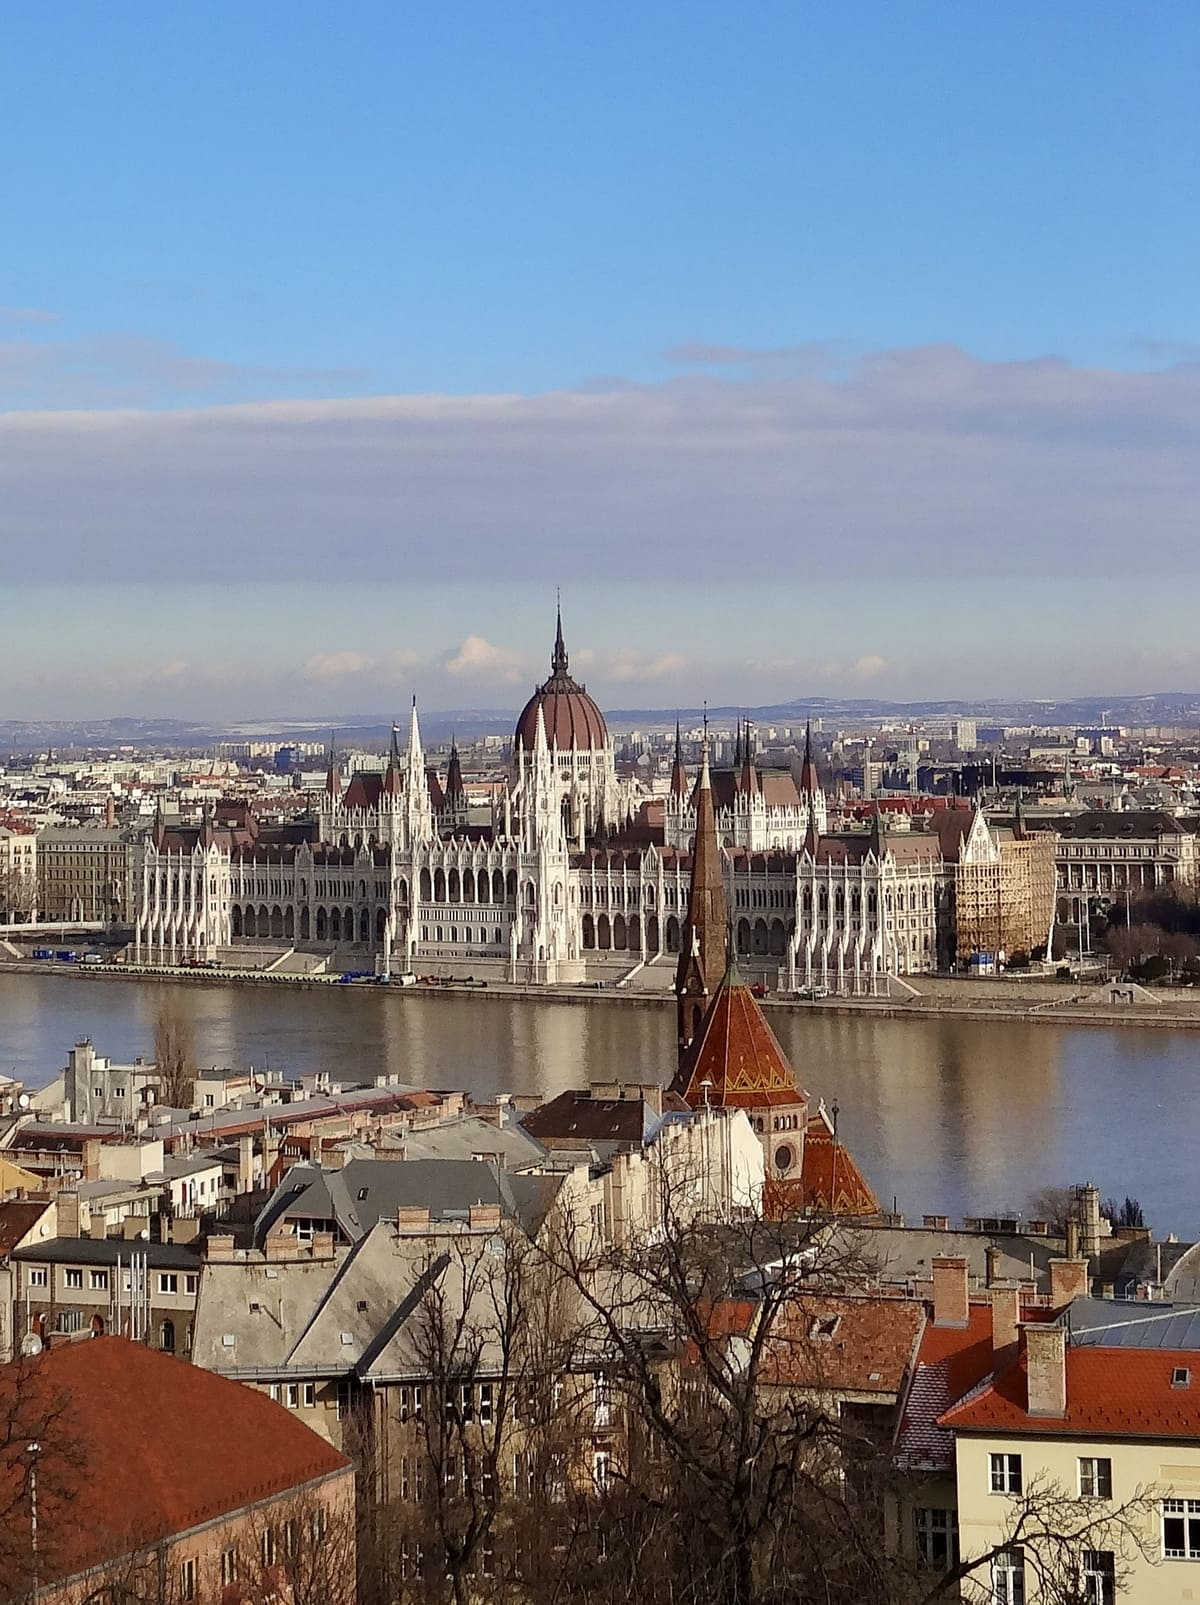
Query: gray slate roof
{"x":1117,"y":1324}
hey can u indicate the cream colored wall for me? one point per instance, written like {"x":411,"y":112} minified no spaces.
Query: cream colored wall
{"x":1162,"y":1469}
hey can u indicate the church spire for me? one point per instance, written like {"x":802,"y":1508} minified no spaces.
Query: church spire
{"x":702,"y":948}
{"x":454,"y":780}
{"x":391,"y":778}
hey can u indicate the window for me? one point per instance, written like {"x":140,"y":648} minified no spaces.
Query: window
{"x":1181,"y":1529}
{"x":345,"y":1400}
{"x":602,"y":1471}
{"x":98,"y":1281}
{"x":1006,"y":1474}
{"x":187,"y":1579}
{"x":1095,"y":1479}
{"x":168,"y":1282}
{"x":601,"y":1400}
{"x":293,"y":1395}
{"x":38,"y":1276}
{"x":412,"y":1402}
{"x":485,"y":1402}
{"x":309,"y":1395}
{"x":1008,"y":1578}
{"x":937,"y":1538}
{"x":267,"y":1544}
{"x":1098,"y":1574}
{"x":191,"y":1282}
{"x":73,"y":1278}
{"x":523,"y":1478}
{"x":229,"y":1567}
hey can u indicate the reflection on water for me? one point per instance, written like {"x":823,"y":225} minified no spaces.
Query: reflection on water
{"x":947,"y":1116}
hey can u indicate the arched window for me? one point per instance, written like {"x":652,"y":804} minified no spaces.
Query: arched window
{"x":166,"y":1336}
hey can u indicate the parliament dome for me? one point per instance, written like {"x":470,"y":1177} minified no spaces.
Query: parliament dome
{"x":573,"y":721}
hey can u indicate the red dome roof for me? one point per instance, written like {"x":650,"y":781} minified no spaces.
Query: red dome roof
{"x":573,"y":721}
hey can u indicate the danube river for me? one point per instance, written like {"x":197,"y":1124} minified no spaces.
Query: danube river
{"x":950,"y":1116}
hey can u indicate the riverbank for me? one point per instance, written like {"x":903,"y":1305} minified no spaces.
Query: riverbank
{"x":938,"y":997}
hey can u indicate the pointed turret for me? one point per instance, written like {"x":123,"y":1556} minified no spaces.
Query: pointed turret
{"x":678,"y":772}
{"x":879,"y":833}
{"x":160,"y":824}
{"x":810,"y":782}
{"x":1020,"y":830}
{"x":333,"y":778}
{"x":702,"y":948}
{"x":749,"y":776}
{"x":737,"y":749}
{"x":454,"y":779}
{"x":392,"y":784}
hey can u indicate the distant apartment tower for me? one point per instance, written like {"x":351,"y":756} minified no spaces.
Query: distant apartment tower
{"x":966,"y":735}
{"x":83,"y":873}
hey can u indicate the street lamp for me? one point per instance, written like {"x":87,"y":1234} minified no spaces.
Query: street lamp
{"x":33,"y":1450}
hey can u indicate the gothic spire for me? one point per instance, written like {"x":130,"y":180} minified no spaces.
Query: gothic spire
{"x":391,"y":778}
{"x":333,"y":778}
{"x":454,"y":780}
{"x":558,"y":658}
{"x":702,"y":955}
{"x":678,"y":772}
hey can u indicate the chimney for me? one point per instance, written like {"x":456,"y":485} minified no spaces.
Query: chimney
{"x":91,"y":1159}
{"x":219,"y":1248}
{"x":1072,"y":1239}
{"x":412,"y":1218}
{"x":1089,"y":1223}
{"x":992,"y":1261}
{"x":485,"y":1217}
{"x":322,"y":1245}
{"x":936,"y":1223}
{"x":1006,"y":1321}
{"x":281,"y":1246}
{"x":70,"y":1213}
{"x":1069,"y":1279}
{"x":652,"y":1095}
{"x":951,"y":1297}
{"x":245,"y":1183}
{"x":1046,"y":1365}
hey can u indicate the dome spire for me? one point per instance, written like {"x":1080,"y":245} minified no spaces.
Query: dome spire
{"x":558,"y":658}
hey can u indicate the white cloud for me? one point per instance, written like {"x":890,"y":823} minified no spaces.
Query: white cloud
{"x":868,"y":667}
{"x":349,"y":664}
{"x":478,"y":659}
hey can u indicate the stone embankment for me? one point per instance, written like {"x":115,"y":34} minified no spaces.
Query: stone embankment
{"x":924,"y":997}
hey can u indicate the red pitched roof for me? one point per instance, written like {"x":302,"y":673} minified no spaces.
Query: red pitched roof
{"x":854,"y":1345}
{"x":737,"y":1053}
{"x":950,"y":1362}
{"x":1111,"y":1393}
{"x":142,"y":1446}
{"x":18,"y":1216}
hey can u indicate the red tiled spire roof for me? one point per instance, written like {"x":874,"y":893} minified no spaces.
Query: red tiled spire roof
{"x":703,"y":940}
{"x":831,"y":1181}
{"x":736,"y":1061}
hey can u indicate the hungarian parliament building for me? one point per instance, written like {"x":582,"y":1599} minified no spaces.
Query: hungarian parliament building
{"x":388,"y":873}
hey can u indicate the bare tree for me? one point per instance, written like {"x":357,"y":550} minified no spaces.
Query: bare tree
{"x":173,"y":1055}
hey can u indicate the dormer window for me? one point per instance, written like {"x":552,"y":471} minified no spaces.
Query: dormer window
{"x":824,"y":1327}
{"x":1181,"y":1377}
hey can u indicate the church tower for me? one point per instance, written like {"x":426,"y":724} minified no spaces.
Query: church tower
{"x":702,"y":947}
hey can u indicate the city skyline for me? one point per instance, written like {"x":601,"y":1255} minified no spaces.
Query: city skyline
{"x":843,"y":356}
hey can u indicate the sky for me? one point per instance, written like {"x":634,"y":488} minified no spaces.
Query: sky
{"x":811,"y":350}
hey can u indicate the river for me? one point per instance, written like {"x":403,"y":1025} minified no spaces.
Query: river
{"x":953,"y":1116}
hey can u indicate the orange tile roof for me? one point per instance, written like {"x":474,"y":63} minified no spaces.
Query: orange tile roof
{"x":142,"y":1446}
{"x":1112,"y":1393}
{"x":844,"y":1343}
{"x":738,"y":1055}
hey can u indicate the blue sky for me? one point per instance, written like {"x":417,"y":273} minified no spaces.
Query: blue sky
{"x":335,"y":337}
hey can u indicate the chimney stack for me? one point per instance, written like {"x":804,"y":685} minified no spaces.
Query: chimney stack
{"x":485,"y":1217}
{"x":412,"y":1218}
{"x":1006,"y":1321}
{"x":951,"y":1295}
{"x":1046,"y":1367}
{"x":1069,"y":1279}
{"x":245,"y":1182}
{"x":992,"y":1259}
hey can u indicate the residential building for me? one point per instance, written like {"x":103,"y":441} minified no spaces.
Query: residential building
{"x":83,"y":873}
{"x":71,"y":1285}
